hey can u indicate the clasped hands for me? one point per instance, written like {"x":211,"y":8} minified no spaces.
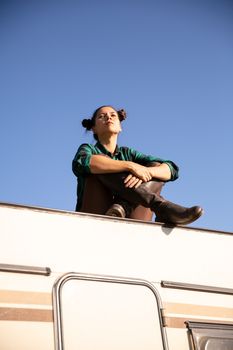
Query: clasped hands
{"x":138,"y":174}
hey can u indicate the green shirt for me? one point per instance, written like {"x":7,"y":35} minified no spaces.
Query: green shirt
{"x":81,"y":163}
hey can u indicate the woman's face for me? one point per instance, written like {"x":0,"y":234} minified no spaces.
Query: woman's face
{"x":107,"y":122}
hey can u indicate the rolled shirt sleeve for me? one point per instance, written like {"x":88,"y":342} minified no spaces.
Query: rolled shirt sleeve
{"x":173,"y":168}
{"x":81,"y":161}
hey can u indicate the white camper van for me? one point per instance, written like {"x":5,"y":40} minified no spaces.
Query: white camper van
{"x":71,"y":281}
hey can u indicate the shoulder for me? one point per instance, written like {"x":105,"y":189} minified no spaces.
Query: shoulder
{"x":86,"y":146}
{"x":127,"y":149}
{"x":85,"y":149}
{"x":83,"y":145}
{"x":127,"y":152}
{"x":123,"y":148}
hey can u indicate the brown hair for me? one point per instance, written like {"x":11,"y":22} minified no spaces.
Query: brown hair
{"x":89,"y":123}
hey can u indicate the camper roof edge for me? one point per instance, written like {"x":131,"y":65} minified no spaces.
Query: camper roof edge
{"x":68,"y":212}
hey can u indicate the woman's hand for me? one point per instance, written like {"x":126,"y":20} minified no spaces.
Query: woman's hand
{"x":140,"y":171}
{"x":138,"y":175}
{"x":132,"y":181}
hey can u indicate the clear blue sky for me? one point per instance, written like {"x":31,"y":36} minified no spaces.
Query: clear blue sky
{"x":168,"y":63}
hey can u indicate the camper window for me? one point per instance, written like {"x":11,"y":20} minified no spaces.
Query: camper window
{"x":214,"y":336}
{"x":107,"y":313}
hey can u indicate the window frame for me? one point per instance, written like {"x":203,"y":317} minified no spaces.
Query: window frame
{"x":201,"y":332}
{"x":57,"y":301}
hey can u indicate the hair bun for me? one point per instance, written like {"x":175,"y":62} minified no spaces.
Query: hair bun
{"x":122,"y":114}
{"x":87,"y":123}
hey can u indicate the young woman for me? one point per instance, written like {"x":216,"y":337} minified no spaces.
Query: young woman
{"x":131,"y":177}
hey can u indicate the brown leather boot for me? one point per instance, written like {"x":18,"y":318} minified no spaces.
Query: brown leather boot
{"x":116,"y":210}
{"x":165,"y":211}
{"x":121,"y":209}
{"x":171,"y":213}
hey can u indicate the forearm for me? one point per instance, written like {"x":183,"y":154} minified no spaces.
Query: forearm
{"x":100,"y":164}
{"x":160,"y":172}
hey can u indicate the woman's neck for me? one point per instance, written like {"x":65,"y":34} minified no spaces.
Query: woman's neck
{"x":109,"y":142}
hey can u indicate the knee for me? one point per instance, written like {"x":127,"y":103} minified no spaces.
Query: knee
{"x":154,"y":186}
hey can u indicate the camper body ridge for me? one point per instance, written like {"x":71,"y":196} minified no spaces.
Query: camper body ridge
{"x":80,"y":281}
